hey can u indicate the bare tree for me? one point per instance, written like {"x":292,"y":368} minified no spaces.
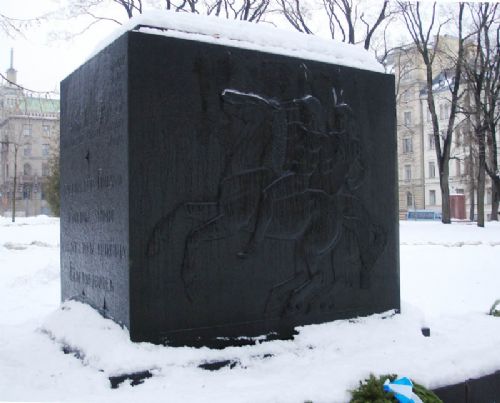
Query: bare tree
{"x":15,"y":140}
{"x":348,"y":20}
{"x":491,"y":101}
{"x":248,"y":10}
{"x":6,"y":143}
{"x":295,"y":14}
{"x":422,"y":36}
{"x":482,"y":70}
{"x":14,"y":27}
{"x":130,"y":6}
{"x":15,"y":136}
{"x":471,"y":172}
{"x":245,"y":10}
{"x":399,"y":60}
{"x":9,"y":26}
{"x":93,"y":9}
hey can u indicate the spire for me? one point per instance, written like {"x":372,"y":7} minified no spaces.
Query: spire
{"x":11,"y":72}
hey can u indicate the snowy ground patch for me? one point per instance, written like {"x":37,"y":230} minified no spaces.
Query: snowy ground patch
{"x":450,"y":276}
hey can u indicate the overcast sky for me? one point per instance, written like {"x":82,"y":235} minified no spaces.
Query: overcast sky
{"x":40,"y":60}
{"x":43,"y":61}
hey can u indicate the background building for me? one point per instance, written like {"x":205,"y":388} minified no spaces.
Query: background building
{"x":29,"y":135}
{"x":418,"y":166}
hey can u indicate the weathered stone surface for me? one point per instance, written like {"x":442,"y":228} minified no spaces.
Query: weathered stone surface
{"x":485,"y":389}
{"x":210,"y":191}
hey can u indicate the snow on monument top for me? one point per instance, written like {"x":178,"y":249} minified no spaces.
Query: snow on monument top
{"x":247,"y":35}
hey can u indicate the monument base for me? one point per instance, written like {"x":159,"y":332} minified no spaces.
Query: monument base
{"x":210,"y":192}
{"x":485,"y":389}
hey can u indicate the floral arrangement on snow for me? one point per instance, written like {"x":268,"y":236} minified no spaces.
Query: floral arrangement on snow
{"x":389,"y":389}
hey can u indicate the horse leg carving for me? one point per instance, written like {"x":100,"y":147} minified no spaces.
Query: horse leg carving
{"x":370,"y":249}
{"x":299,"y":300}
{"x":321,"y":237}
{"x":264,"y":217}
{"x":160,"y":236}
{"x":214,"y":229}
{"x":279,"y":296}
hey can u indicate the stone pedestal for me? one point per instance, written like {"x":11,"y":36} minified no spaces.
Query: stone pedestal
{"x":210,"y":192}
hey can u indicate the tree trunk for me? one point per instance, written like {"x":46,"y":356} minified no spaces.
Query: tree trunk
{"x":422,"y":39}
{"x":441,"y":156}
{"x":480,"y":197}
{"x":494,"y":203}
{"x":481,"y":174}
{"x":472,"y":182}
{"x":492,"y":170}
{"x":472,"y":196}
{"x":15,"y":186}
{"x":445,"y":194}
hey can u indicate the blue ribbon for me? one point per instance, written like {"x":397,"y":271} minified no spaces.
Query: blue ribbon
{"x":402,"y":388}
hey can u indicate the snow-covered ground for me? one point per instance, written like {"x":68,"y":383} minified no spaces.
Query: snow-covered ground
{"x":450,"y":276}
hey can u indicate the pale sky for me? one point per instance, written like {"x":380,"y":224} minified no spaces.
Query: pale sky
{"x":40,"y":60}
{"x":43,"y":62}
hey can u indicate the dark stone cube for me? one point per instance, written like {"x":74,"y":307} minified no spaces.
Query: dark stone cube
{"x":213,"y":192}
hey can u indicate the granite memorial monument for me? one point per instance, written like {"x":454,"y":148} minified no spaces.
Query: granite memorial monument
{"x":210,"y":192}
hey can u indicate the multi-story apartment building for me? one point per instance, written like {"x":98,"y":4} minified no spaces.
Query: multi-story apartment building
{"x":29,"y":134}
{"x":418,"y":165}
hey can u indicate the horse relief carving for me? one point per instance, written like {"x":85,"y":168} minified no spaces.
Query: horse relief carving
{"x":291,"y":175}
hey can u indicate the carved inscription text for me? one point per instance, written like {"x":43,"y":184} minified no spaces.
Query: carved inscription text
{"x":91,"y":280}
{"x":93,"y":183}
{"x":102,"y":249}
{"x":101,"y":216}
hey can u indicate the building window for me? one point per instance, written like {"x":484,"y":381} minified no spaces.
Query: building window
{"x":27,"y":169}
{"x":444,"y":111}
{"x":458,"y":168}
{"x":405,"y":75}
{"x":458,"y":137}
{"x":430,"y":141}
{"x":407,"y":118}
{"x":488,"y":196}
{"x":26,"y":191}
{"x":468,"y":168}
{"x":407,"y":95}
{"x":45,"y":169}
{"x":27,"y":150}
{"x":45,"y":149}
{"x":46,"y":130}
{"x":27,"y":129}
{"x":407,"y":145}
{"x":407,"y":173}
{"x":43,"y":191}
{"x":409,"y":199}
{"x":432,"y":197}
{"x":459,"y":192}
{"x":432,"y":169}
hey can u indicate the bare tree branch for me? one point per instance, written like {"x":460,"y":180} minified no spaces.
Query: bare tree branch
{"x":421,"y":35}
{"x":294,"y":15}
